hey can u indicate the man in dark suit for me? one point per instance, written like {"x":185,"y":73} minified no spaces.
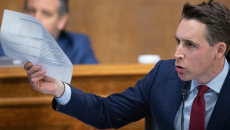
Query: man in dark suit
{"x":53,"y":14}
{"x":200,"y":68}
{"x":228,"y":57}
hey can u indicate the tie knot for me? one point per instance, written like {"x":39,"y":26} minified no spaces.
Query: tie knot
{"x":202,"y":90}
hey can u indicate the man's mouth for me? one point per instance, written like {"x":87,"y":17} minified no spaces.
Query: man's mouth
{"x":180,"y":68}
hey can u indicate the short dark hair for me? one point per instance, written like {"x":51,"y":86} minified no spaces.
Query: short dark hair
{"x":216,"y":17}
{"x":62,"y":9}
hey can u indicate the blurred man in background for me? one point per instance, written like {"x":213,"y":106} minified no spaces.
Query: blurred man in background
{"x":53,"y":14}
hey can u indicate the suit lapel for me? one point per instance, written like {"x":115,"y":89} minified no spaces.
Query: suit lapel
{"x":221,"y":110}
{"x":176,"y":97}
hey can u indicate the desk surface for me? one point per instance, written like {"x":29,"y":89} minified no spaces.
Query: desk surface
{"x":88,"y":70}
{"x":19,"y":99}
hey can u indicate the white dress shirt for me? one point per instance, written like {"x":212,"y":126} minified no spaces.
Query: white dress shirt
{"x":64,"y":99}
{"x":210,"y":98}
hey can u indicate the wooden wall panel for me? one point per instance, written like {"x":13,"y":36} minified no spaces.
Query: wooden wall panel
{"x":121,"y":30}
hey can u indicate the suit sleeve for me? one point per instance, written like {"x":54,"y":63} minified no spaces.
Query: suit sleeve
{"x":114,"y":111}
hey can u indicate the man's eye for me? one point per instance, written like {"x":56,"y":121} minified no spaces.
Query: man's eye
{"x":46,"y":14}
{"x":178,"y":41}
{"x":190,"y":45}
{"x":30,"y":11}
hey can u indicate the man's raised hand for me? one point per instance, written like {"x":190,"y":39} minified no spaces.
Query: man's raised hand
{"x":41,"y":82}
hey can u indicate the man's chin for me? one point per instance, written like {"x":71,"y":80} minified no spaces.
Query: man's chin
{"x":183,"y":77}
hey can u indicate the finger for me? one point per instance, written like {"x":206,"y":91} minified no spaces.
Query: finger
{"x":28,"y":65}
{"x":35,"y":82}
{"x":36,"y":79}
{"x":38,"y":74}
{"x":33,"y":69}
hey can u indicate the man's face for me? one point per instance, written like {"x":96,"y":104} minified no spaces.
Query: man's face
{"x":46,"y":11}
{"x":195,"y":59}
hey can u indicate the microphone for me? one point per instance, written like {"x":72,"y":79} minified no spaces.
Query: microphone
{"x":183,"y":94}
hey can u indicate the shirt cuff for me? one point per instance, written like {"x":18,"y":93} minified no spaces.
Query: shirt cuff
{"x":64,"y":99}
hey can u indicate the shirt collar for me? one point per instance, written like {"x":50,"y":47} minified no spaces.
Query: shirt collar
{"x":216,"y":83}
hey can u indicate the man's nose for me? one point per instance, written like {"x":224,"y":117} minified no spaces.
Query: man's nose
{"x":179,"y":52}
{"x":38,"y":16}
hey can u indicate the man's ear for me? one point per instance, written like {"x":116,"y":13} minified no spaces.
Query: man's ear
{"x":221,"y":49}
{"x":62,"y":22}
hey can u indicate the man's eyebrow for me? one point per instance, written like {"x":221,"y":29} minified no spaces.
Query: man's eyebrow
{"x":176,"y":38}
{"x":190,"y":41}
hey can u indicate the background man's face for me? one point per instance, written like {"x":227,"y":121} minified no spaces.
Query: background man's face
{"x":46,"y":11}
{"x":194,"y":57}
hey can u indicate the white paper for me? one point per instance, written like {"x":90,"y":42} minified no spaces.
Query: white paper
{"x":23,"y":37}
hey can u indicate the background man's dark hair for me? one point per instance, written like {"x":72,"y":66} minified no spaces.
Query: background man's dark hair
{"x":62,"y":9}
{"x":215,"y":16}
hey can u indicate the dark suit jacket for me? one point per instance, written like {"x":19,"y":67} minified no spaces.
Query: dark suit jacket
{"x":228,"y":56}
{"x":159,"y":94}
{"x":76,"y":47}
